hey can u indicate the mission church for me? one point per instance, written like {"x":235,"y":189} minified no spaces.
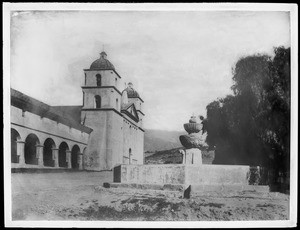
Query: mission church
{"x":105,"y":131}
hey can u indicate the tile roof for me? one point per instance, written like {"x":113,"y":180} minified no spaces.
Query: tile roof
{"x":60,"y":114}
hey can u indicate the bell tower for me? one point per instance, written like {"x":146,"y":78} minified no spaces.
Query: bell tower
{"x":101,"y":112}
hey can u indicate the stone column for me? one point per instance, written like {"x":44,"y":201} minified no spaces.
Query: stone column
{"x":193,"y":156}
{"x":197,"y":157}
{"x":188,"y":157}
{"x":80,"y":161}
{"x":40,"y":154}
{"x":69,"y":160}
{"x":21,"y":152}
{"x":55,"y":157}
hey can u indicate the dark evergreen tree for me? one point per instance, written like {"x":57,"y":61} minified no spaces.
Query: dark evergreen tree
{"x":252,"y":126}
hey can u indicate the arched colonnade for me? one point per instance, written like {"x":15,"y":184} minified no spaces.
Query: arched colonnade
{"x":40,"y":151}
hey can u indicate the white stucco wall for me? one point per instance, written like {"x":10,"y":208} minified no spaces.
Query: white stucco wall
{"x":45,"y":128}
{"x":108,"y":78}
{"x":108,"y":97}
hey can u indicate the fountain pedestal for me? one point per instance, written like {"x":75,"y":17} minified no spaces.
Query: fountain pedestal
{"x":193,"y":142}
{"x":192,"y":156}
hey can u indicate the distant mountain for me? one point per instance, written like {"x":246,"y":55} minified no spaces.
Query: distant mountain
{"x":158,"y":140}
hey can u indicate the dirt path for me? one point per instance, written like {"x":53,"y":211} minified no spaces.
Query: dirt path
{"x":80,"y":196}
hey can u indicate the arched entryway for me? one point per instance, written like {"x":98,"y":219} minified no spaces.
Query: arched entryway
{"x":62,"y":155}
{"x":15,"y":136}
{"x":49,"y":144}
{"x":30,"y":149}
{"x":74,"y":157}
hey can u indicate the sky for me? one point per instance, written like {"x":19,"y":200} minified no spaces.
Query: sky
{"x":179,"y":61}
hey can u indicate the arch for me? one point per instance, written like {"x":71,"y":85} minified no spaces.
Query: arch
{"x":97,"y":101}
{"x":98,"y":80}
{"x":49,"y":144}
{"x":62,"y":154}
{"x":15,"y":136}
{"x":74,"y":157}
{"x":31,"y":142}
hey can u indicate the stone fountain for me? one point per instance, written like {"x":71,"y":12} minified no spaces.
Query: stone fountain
{"x":191,"y":176}
{"x":196,"y":149}
{"x":194,"y":142}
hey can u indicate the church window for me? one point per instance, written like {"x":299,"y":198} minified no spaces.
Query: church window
{"x":84,"y":78}
{"x":130,"y":155}
{"x":97,"y":101}
{"x":99,"y":80}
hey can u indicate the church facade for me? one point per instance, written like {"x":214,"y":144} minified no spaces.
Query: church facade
{"x":105,"y":131}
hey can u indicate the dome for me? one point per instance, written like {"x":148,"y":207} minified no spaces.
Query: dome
{"x":102,"y":63}
{"x":131,"y":92}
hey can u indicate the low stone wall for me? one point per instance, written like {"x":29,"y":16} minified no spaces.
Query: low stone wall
{"x":190,"y":179}
{"x":182,"y":174}
{"x":217,"y":174}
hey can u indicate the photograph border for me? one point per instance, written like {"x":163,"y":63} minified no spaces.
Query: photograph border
{"x":292,"y":8}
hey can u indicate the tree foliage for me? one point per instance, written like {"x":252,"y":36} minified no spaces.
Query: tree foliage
{"x":252,"y":126}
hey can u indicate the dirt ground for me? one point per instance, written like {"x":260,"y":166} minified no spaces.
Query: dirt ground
{"x":81,"y":196}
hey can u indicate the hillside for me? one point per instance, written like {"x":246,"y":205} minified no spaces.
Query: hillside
{"x":158,"y":140}
{"x":171,"y":156}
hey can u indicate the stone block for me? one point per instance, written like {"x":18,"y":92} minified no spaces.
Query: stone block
{"x":193,"y":156}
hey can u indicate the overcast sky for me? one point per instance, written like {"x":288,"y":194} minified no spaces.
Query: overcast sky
{"x":178,"y":61}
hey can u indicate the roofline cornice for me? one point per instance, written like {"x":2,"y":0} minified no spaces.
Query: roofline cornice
{"x":114,"y":110}
{"x":138,"y":98}
{"x":27,"y":103}
{"x":140,"y":111}
{"x":103,"y":70}
{"x":99,"y":87}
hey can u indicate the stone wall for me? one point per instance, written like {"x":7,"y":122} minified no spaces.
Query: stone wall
{"x":106,"y":140}
{"x":112,"y":139}
{"x":183,"y":174}
{"x":133,"y":142}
